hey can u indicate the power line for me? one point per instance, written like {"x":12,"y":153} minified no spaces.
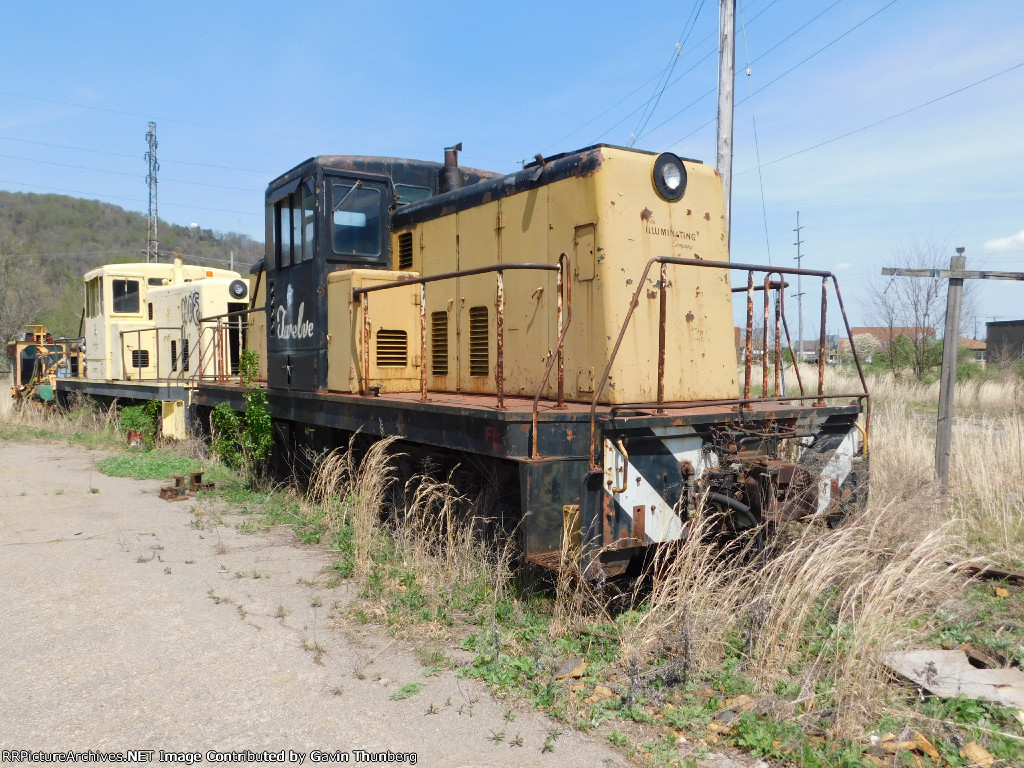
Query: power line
{"x":133,"y":157}
{"x":123,"y":113}
{"x":655,"y":99}
{"x":893,"y":117}
{"x":93,"y":195}
{"x":126,"y":173}
{"x":791,"y":69}
{"x":765,"y":53}
{"x":648,"y":82}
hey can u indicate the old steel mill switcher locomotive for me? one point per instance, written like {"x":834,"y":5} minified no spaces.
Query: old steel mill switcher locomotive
{"x":566,"y":329}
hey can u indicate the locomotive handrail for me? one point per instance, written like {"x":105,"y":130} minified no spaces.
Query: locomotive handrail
{"x":564,"y":286}
{"x":138,"y":334}
{"x":235,"y":313}
{"x":750,"y":269}
{"x":499,"y":374}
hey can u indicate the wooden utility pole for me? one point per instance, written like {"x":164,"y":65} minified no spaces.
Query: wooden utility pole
{"x":956,"y":274}
{"x":947,"y":382}
{"x":726,"y":75}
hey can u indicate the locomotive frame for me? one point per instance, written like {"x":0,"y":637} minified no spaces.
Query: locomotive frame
{"x":436,"y":304}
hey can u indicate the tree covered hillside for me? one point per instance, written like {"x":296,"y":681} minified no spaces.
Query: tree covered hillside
{"x":47,"y":242}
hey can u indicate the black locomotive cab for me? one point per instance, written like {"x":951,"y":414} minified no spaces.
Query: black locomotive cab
{"x":327,"y":214}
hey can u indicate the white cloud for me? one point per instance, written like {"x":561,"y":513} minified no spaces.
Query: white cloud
{"x":843,"y":265}
{"x":1011,"y":243}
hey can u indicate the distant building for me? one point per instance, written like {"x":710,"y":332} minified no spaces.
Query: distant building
{"x":977,"y":349}
{"x":1005,"y":340}
{"x":886,"y":335}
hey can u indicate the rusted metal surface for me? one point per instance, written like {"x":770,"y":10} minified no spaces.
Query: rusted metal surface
{"x":499,"y":369}
{"x":748,"y":358}
{"x":764,"y":335}
{"x":423,"y":342}
{"x":822,"y":338}
{"x":789,"y":343}
{"x":639,"y":522}
{"x":551,"y":560}
{"x":616,"y":488}
{"x":365,"y":301}
{"x":750,"y":268}
{"x":561,"y":287}
{"x":357,"y":292}
{"x":778,"y":342}
{"x":662,"y":310}
{"x":564,"y":285}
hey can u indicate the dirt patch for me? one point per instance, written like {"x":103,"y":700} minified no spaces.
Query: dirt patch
{"x":133,"y":623}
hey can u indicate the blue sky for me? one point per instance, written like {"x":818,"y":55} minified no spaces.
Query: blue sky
{"x":241,"y":92}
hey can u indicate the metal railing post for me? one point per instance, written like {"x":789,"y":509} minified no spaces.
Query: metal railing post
{"x":423,"y":342}
{"x":499,"y":370}
{"x":662,"y":320}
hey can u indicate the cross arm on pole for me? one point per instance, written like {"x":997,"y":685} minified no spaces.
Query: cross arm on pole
{"x":952,"y":274}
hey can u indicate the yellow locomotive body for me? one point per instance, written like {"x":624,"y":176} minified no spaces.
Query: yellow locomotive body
{"x":611,"y":222}
{"x":141,"y":321}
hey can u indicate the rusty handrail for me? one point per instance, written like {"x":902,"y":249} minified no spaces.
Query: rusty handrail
{"x":564,"y":285}
{"x":362,"y":294}
{"x":750,"y":268}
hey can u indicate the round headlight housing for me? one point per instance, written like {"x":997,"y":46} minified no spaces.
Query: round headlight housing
{"x":238,"y":289}
{"x":669,"y":176}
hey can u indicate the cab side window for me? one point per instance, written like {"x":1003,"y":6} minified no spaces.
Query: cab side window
{"x":355,"y":219}
{"x":126,"y":296}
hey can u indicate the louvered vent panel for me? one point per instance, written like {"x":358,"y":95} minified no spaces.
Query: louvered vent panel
{"x":140,"y":358}
{"x":392,"y":348}
{"x":405,"y":250}
{"x":479,"y":364}
{"x":439,"y":343}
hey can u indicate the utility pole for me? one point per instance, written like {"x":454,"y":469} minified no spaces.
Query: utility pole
{"x":152,"y":244}
{"x":726,"y":70}
{"x":956,"y":274}
{"x":799,"y":292}
{"x":947,"y":382}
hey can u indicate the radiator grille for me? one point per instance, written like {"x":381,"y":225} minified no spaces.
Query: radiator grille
{"x":392,"y":348}
{"x":479,"y":364}
{"x":405,"y":250}
{"x":439,"y":343}
{"x":140,"y":358}
{"x":174,"y":355}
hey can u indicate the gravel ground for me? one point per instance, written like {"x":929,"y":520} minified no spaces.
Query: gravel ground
{"x":132,"y":623}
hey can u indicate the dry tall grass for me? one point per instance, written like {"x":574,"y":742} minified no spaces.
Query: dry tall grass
{"x":823,"y":605}
{"x":82,"y":418}
{"x":431,"y":543}
{"x":343,"y":490}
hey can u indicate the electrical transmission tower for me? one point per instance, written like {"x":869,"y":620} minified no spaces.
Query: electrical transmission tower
{"x":151,"y":238}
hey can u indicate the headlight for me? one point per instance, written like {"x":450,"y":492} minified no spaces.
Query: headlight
{"x":669,"y":176}
{"x":237,"y":289}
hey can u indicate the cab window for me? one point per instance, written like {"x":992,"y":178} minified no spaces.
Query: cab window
{"x":355,"y":219}
{"x":294,"y":216}
{"x":407,"y":193}
{"x":126,"y":296}
{"x":94,"y":297}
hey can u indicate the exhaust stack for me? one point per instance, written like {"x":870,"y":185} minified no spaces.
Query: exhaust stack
{"x":450,"y":176}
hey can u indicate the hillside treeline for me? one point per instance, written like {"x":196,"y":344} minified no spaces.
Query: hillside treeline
{"x":47,"y":242}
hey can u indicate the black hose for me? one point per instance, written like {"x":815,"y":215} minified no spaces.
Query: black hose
{"x":736,"y":506}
